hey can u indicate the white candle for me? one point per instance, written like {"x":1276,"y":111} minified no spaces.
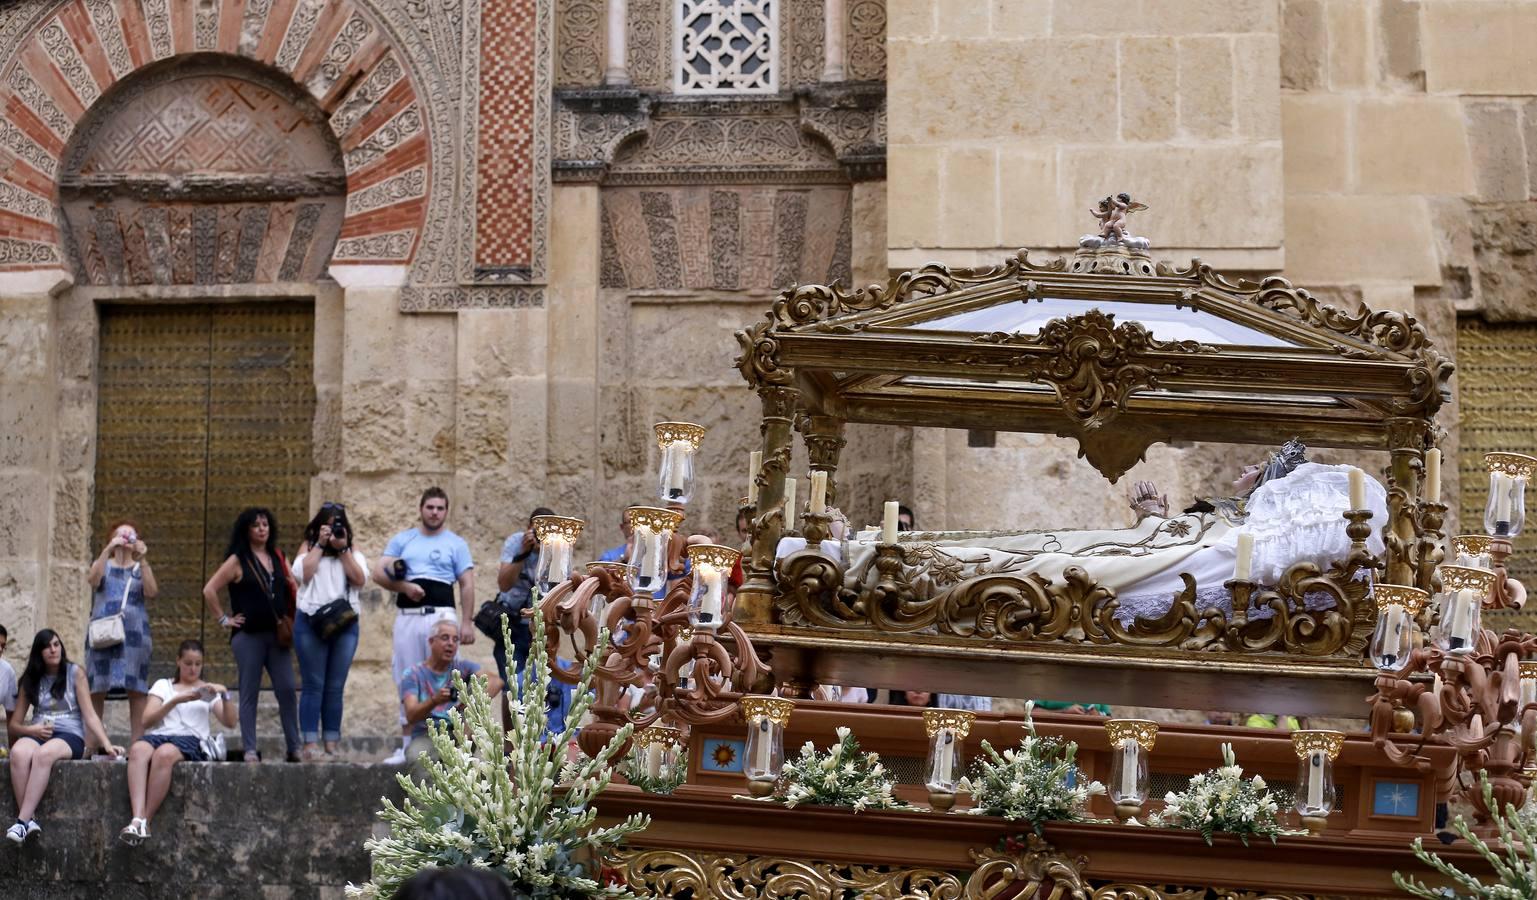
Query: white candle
{"x":1500,"y":483}
{"x":1245,"y":562}
{"x":763,"y":756}
{"x":754,"y":463}
{"x":654,"y":760}
{"x":1433,"y":475}
{"x":677,"y":461}
{"x":889,"y":523}
{"x":1357,"y":489}
{"x":650,"y":558}
{"x":945,"y":764}
{"x":710,"y":600}
{"x":1315,"y":779}
{"x":1461,"y":627}
{"x":819,"y":492}
{"x":1129,"y":769}
{"x":790,"y":510}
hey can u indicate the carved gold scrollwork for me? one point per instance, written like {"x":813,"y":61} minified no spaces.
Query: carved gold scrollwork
{"x":1048,"y":874}
{"x":1092,"y":362}
{"x":667,"y":873}
{"x":1078,"y":610}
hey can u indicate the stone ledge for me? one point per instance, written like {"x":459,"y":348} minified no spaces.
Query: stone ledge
{"x":227,"y":830}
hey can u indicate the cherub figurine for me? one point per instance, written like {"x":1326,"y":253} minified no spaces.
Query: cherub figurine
{"x":1112,"y":212}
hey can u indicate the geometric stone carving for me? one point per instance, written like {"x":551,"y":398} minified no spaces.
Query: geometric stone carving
{"x":865,"y":40}
{"x":579,"y":43}
{"x":727,"y":46}
{"x":192,"y":177}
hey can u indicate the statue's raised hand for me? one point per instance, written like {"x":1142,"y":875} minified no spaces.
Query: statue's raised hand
{"x":1146,"y":501}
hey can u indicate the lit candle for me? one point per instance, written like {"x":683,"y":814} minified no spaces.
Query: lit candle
{"x":1316,"y":779}
{"x":654,"y":759}
{"x":946,"y":762}
{"x":1357,"y":489}
{"x":1245,"y":562}
{"x":677,"y":461}
{"x":763,"y":757}
{"x":754,"y":463}
{"x":889,"y":523}
{"x":1129,"y":768}
{"x":819,"y":492}
{"x":790,"y":510}
{"x":1433,"y":475}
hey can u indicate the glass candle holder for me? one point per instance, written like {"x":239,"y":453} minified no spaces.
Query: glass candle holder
{"x":557,"y":537}
{"x":597,"y":607}
{"x":942,"y":771}
{"x":1472,"y":550}
{"x":658,"y":747}
{"x":678,"y":441}
{"x":686,"y":671}
{"x":1505,"y":512}
{"x":767,"y":718}
{"x":707,"y":603}
{"x":1397,"y":605}
{"x":1316,"y":752}
{"x":1131,"y":743}
{"x":651,"y":533}
{"x":1460,"y":603}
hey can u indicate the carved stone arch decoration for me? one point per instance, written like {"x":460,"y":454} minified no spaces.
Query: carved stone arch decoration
{"x":203,"y":169}
{"x":391,"y":77}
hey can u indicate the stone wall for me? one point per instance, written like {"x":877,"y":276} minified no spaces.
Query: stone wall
{"x":226,"y":832}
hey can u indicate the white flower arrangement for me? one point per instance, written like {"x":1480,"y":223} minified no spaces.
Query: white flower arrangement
{"x":1037,"y":782}
{"x":481,"y":806}
{"x":667,"y":781}
{"x":1222,"y":799}
{"x":840,"y":776}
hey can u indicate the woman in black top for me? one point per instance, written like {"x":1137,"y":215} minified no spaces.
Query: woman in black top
{"x":260,"y":622}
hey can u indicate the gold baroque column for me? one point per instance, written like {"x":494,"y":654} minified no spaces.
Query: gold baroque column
{"x":755,"y":601}
{"x":1406,"y":439}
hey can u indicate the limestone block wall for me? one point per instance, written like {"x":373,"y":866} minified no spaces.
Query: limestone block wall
{"x":1010,"y":117}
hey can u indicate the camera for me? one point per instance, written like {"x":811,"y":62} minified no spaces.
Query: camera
{"x":453,"y":694}
{"x":130,"y":537}
{"x":339,"y":528}
{"x":398,"y":570}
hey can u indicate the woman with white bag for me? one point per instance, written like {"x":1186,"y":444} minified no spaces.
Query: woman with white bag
{"x":117,"y":642}
{"x":176,"y":724}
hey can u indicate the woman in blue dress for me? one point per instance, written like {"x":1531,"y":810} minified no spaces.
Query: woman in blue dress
{"x":122,"y":580}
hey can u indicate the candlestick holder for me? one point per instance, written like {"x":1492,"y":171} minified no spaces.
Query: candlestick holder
{"x":1428,"y":551}
{"x":1508,"y":593}
{"x":889,"y":583}
{"x":816,"y":528}
{"x":1316,"y":752}
{"x":946,"y":730}
{"x":1131,"y":740}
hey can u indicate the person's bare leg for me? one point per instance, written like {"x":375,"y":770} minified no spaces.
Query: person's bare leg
{"x":165,"y":759}
{"x":42,"y":770}
{"x":139,"y":755}
{"x":136,"y":703}
{"x":22,"y":756}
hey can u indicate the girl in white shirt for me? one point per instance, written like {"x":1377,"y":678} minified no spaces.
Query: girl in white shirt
{"x":329,"y":571}
{"x":176,"y":727}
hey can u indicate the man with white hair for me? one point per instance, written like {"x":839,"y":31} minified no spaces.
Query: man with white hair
{"x":427,"y":689}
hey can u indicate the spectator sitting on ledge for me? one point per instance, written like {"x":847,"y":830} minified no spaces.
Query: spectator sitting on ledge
{"x":427,"y":689}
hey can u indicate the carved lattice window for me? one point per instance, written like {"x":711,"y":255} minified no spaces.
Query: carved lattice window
{"x":728,"y":46}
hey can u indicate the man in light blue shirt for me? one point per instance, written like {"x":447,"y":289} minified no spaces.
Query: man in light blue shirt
{"x":422,"y":565}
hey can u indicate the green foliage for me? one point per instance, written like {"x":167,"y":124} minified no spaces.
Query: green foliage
{"x":1222,"y":799}
{"x":1515,"y":862}
{"x":1037,"y":782}
{"x":487,"y":805}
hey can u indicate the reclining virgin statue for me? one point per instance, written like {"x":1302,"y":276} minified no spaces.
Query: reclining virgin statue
{"x":1292,"y":508}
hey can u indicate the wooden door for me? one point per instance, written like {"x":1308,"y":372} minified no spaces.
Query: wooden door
{"x":204,"y":409}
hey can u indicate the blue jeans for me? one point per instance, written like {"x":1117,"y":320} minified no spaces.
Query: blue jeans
{"x":323,"y":669}
{"x":521,"y":644}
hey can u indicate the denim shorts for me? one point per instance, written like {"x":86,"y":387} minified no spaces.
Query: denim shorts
{"x":191,"y":748}
{"x":76,"y":742}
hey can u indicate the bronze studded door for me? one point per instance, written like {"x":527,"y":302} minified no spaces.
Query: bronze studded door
{"x":204,"y":410}
{"x":1497,"y":410}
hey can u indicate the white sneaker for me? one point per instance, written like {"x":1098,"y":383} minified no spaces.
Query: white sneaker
{"x":33,"y":827}
{"x":398,"y":758}
{"x":16,"y":833}
{"x":133,"y":833}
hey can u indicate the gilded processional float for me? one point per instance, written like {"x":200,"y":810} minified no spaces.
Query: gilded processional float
{"x":1316,"y":591}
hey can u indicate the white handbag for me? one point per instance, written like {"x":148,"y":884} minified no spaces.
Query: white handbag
{"x":109,"y":631}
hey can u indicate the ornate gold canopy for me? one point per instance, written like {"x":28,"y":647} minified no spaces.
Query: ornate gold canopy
{"x":1117,"y":360}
